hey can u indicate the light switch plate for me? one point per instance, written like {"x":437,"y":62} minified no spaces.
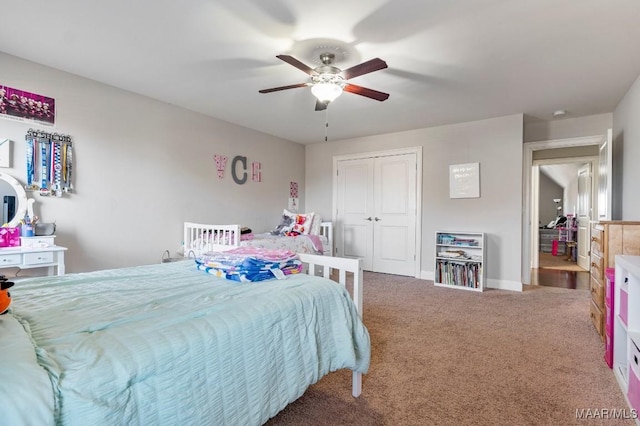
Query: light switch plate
{"x":5,"y":153}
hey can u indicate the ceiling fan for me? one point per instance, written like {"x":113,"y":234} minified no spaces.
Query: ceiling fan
{"x":328,"y":82}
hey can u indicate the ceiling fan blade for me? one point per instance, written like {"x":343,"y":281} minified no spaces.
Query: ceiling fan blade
{"x":363,"y":91}
{"x":364,"y":68}
{"x":275,"y":89}
{"x":321,"y":106}
{"x":296,"y":63}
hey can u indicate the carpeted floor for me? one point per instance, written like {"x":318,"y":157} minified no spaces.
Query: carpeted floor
{"x":450,"y":357}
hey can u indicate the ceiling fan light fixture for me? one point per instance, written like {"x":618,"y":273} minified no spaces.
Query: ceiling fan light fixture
{"x":326,"y":92}
{"x":328,"y":82}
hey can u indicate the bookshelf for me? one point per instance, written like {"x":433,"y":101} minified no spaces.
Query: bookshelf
{"x":459,"y":260}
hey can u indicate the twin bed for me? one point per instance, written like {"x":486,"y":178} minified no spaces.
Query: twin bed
{"x":169,"y":344}
{"x":200,"y":238}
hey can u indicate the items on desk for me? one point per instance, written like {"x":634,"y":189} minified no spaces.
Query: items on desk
{"x":28,"y":225}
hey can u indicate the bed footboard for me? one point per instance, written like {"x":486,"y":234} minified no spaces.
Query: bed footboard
{"x":323,"y":266}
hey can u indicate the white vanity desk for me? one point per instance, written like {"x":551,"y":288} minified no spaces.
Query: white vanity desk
{"x":33,"y":252}
{"x":51,"y":257}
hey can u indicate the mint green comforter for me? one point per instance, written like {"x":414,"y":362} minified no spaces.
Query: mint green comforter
{"x":170,"y":345}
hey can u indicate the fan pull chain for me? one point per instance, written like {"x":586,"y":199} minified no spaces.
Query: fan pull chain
{"x":326,"y":124}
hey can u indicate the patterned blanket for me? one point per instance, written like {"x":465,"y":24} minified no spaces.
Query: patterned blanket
{"x":250,"y":264}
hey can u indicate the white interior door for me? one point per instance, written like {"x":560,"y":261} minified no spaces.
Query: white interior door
{"x":604,"y":177}
{"x":355,"y":209}
{"x":583,"y":215}
{"x":394,"y":228}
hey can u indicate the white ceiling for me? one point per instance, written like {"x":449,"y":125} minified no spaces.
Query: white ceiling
{"x":562,"y":174}
{"x":449,"y":61}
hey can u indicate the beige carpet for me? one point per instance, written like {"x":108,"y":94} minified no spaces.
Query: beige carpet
{"x":450,"y":357}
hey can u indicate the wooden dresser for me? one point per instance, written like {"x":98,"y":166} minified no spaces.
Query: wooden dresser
{"x":608,"y":238}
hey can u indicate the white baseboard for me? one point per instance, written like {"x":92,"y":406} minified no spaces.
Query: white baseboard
{"x":427,"y":275}
{"x":504,"y":285}
{"x":491,"y":283}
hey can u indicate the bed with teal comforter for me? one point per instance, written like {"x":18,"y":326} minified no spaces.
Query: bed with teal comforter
{"x":168,"y":344}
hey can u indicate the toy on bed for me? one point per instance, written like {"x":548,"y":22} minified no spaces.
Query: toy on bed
{"x":294,"y":224}
{"x":5,"y":296}
{"x":298,"y":232}
{"x":284,"y":226}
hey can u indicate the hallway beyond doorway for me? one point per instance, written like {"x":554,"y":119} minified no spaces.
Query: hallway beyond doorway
{"x":560,"y":262}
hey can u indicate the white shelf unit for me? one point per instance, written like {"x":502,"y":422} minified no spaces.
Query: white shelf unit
{"x":459,"y":260}
{"x":626,"y":334}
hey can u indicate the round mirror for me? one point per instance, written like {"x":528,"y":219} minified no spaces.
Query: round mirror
{"x":14,"y":200}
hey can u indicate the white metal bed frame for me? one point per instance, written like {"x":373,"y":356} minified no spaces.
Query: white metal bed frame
{"x":227,"y":237}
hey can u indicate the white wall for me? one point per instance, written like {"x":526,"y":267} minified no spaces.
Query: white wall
{"x":495,"y":143}
{"x":548,"y":191}
{"x":568,"y":128}
{"x":142,"y":168}
{"x":626,"y":152}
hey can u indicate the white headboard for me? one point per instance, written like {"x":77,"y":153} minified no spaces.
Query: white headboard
{"x":200,"y":238}
{"x":326,"y":229}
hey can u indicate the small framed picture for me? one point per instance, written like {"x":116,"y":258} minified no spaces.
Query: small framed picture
{"x":464,"y":180}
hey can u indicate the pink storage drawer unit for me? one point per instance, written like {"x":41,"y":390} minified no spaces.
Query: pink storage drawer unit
{"x":624,"y":305}
{"x":633,"y":392}
{"x":608,"y":350}
{"x":608,"y":324}
{"x":610,"y":275}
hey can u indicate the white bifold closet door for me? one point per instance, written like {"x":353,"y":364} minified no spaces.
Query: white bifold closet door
{"x":376,"y":212}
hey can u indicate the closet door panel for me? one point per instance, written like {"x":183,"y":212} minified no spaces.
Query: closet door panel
{"x":355,"y":210}
{"x":394,"y":219}
{"x":394,"y":247}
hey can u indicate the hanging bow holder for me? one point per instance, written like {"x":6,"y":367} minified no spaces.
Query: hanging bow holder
{"x":49,"y":163}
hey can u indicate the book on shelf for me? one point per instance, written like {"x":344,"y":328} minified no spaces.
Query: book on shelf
{"x":458,"y":273}
{"x":456,"y":241}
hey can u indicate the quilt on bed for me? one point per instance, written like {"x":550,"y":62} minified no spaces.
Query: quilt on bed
{"x":167,"y":344}
{"x":250,"y":264}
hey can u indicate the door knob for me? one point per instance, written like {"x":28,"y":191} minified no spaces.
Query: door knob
{"x":377,"y":219}
{"x":368,"y":218}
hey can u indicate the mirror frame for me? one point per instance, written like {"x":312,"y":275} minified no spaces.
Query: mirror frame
{"x":21,"y":199}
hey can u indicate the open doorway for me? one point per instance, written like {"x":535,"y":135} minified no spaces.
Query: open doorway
{"x":565,"y":195}
{"x":561,"y":150}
